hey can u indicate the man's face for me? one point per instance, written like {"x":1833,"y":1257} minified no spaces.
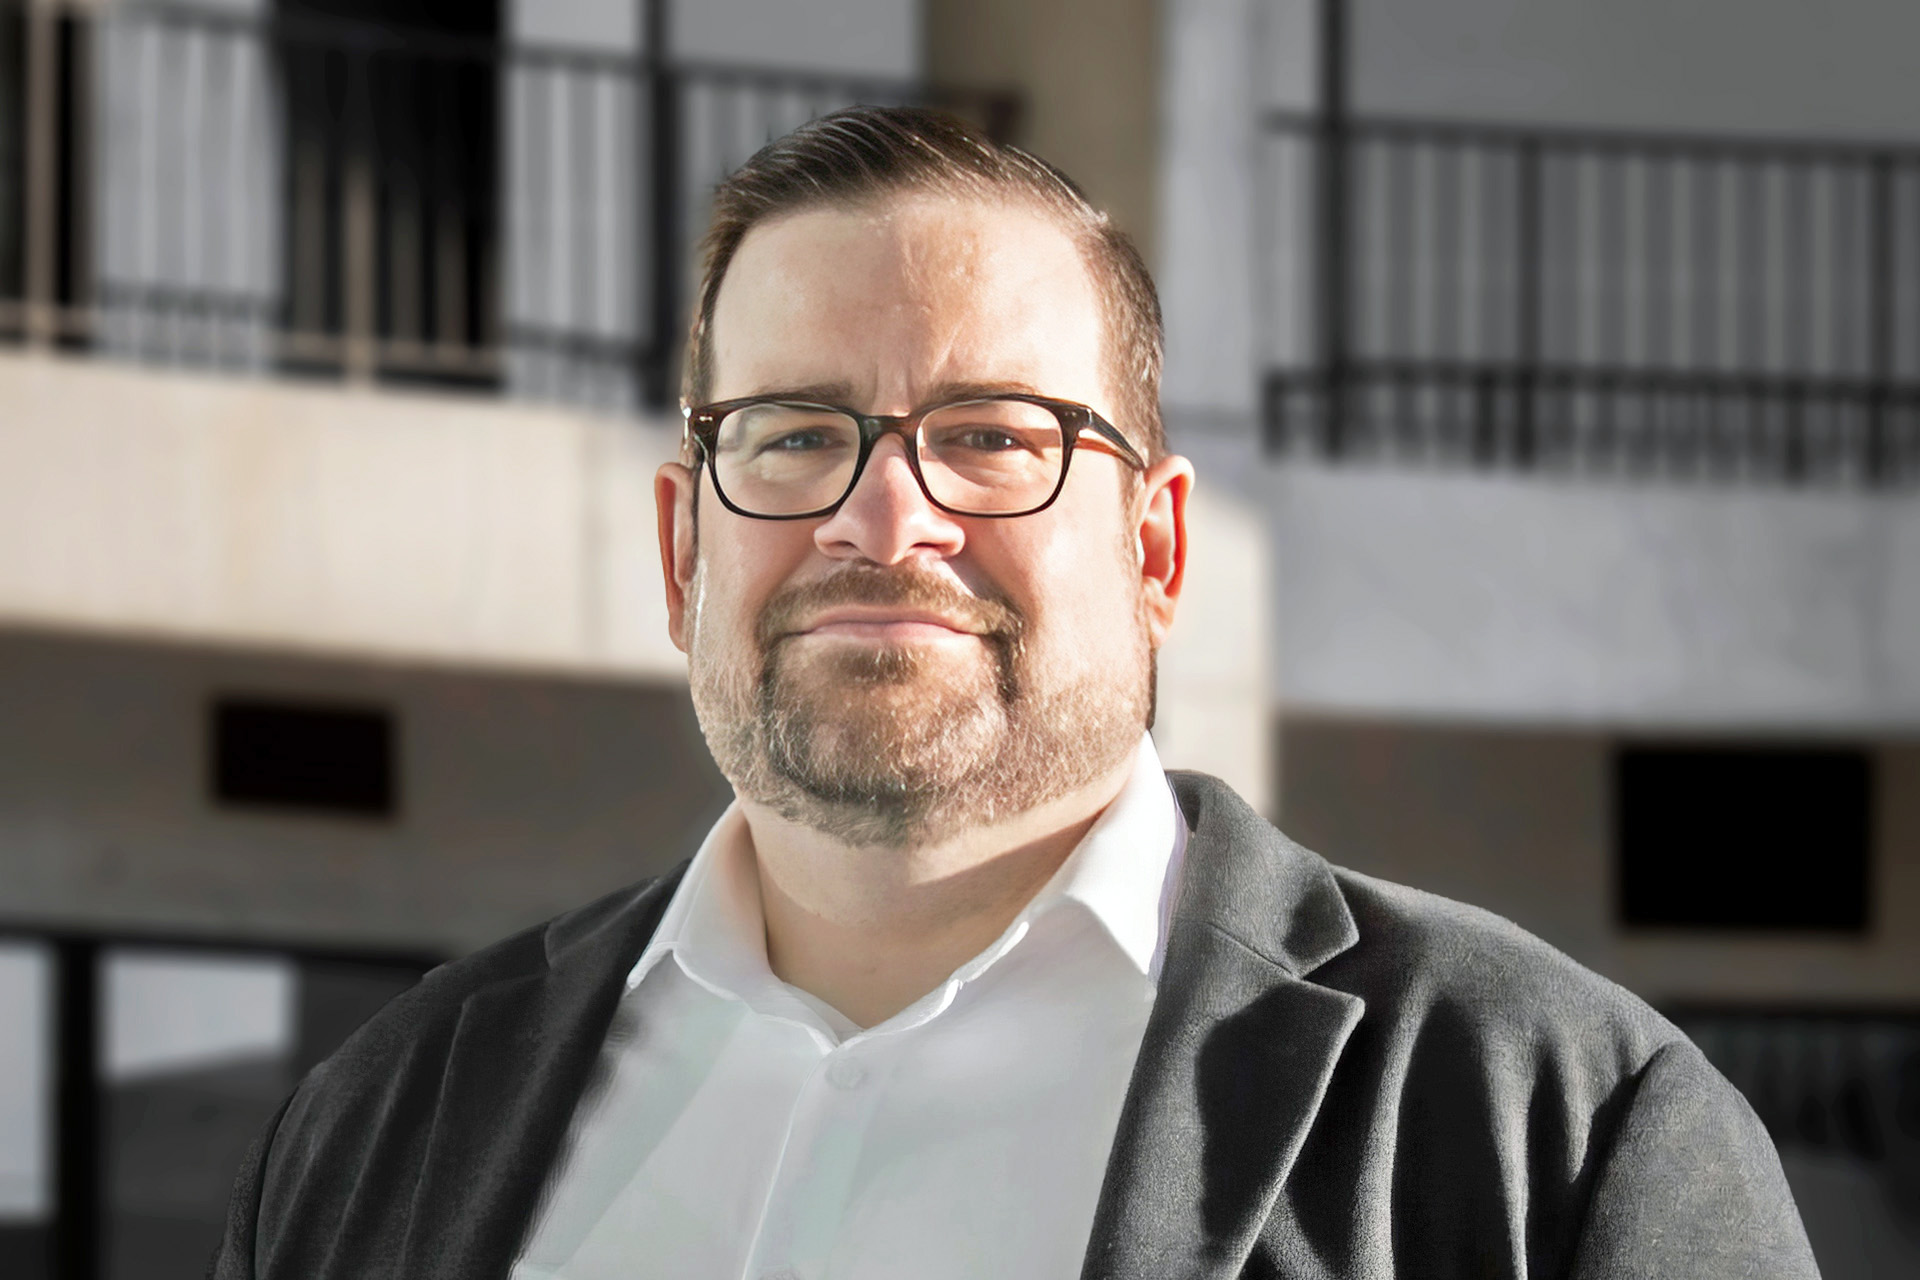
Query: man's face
{"x":891,"y":671}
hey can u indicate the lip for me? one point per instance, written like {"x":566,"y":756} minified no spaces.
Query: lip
{"x":885,"y":625}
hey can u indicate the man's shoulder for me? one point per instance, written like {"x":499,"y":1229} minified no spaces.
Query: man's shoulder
{"x":457,"y":1052}
{"x":404,"y":1047}
{"x":1486,"y":1086}
{"x":1426,"y":964}
{"x":1430,"y":957}
{"x":605,"y":929}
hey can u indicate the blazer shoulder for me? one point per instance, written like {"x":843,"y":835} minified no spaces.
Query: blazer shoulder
{"x":616,"y":923}
{"x":1422,"y":957}
{"x":1412,"y":956}
{"x":404,"y":1046}
{"x":358,"y":1125}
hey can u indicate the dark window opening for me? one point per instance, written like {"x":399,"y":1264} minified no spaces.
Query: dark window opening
{"x":323,"y":759}
{"x":392,"y":185}
{"x":1743,"y":838}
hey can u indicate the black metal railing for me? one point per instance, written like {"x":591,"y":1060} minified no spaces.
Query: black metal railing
{"x":316,"y":197}
{"x":1591,"y":303}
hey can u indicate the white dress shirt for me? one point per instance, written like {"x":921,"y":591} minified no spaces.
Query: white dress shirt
{"x":741,"y":1128}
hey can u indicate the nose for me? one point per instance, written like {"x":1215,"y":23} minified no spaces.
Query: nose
{"x":888,"y":518}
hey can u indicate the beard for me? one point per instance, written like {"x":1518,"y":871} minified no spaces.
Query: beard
{"x":901,"y":745}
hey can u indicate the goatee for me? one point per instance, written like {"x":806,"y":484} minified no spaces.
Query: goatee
{"x":899,"y":745}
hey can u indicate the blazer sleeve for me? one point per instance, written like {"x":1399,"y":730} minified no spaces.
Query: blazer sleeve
{"x":235,"y":1258}
{"x":1690,"y":1186}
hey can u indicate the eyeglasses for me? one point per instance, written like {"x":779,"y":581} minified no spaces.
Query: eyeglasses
{"x":999,"y":456}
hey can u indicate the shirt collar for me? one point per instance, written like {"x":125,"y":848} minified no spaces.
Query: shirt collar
{"x":1124,"y":872}
{"x":1124,"y":869}
{"x":715,"y":923}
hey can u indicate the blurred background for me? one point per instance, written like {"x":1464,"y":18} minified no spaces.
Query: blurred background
{"x":1552,"y":369}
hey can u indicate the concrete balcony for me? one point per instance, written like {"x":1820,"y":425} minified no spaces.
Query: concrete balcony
{"x":332,"y":521}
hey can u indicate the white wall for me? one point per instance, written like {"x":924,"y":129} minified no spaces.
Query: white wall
{"x":1532,"y":600}
{"x":1840,"y":67}
{"x":869,"y":37}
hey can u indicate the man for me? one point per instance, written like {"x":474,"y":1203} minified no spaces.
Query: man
{"x":963,"y":985}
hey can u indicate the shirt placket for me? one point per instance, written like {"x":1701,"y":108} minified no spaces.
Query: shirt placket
{"x":814,"y":1174}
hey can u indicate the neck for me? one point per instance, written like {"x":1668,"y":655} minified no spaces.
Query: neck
{"x":871,"y":929}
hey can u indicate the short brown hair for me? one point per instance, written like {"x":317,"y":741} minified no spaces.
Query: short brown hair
{"x":865,"y":153}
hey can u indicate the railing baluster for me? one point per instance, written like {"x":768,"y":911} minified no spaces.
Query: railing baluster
{"x":1794,"y":428}
{"x":308,"y":220}
{"x":358,"y":224}
{"x":1880,"y":275}
{"x":665,"y":192}
{"x":1529,"y":305}
{"x":1336,"y":280}
{"x":1485,"y":438}
{"x":406,"y":320}
{"x":75,"y":289}
{"x":42,"y":171}
{"x":584,"y":195}
{"x":1275,"y":418}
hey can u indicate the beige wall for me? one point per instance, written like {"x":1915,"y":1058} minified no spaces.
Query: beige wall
{"x":519,"y":797}
{"x":410,"y":527}
{"x":1518,"y":822}
{"x":1089,"y":73}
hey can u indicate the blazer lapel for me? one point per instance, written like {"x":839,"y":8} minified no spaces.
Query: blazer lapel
{"x":1238,"y":1050}
{"x":522,"y":1052}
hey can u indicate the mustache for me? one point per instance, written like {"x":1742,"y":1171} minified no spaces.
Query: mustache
{"x":788,"y":611}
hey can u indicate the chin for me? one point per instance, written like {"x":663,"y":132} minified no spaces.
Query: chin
{"x":875,"y":669}
{"x":900,"y":745}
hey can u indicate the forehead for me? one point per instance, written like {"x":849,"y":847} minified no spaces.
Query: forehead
{"x":895,"y":300}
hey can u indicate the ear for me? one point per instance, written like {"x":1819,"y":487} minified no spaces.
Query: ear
{"x":1163,"y":541}
{"x":673,"y":494}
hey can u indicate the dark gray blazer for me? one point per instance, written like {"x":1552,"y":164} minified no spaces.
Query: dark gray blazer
{"x":1340,"y":1077}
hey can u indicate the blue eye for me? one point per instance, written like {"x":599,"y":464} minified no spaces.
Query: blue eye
{"x":986,"y":440}
{"x":798,"y":442}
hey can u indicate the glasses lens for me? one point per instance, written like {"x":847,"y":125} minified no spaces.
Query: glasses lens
{"x":991,"y":457}
{"x":777,"y":459}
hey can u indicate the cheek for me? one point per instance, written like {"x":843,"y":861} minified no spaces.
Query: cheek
{"x":1086,"y":603}
{"x":740,"y":566}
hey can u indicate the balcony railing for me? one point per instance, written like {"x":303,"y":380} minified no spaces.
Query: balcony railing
{"x":1592,"y":303}
{"x":310,"y":197}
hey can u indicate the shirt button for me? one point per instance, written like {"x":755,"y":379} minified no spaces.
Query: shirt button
{"x":845,"y":1073}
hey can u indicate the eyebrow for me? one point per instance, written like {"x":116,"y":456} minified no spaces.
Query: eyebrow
{"x":840,"y":393}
